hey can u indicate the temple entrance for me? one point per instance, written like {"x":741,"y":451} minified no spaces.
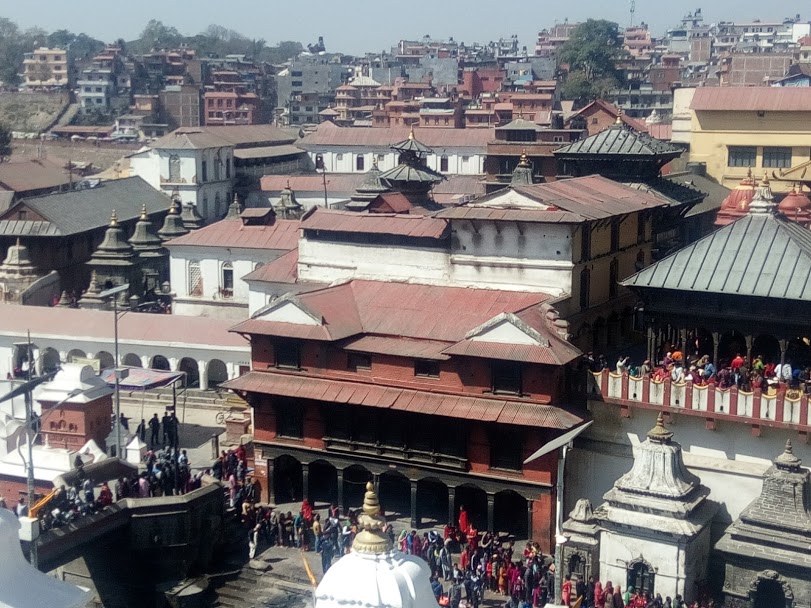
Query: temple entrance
{"x":510,"y":514}
{"x":189,"y":367}
{"x":395,"y":494}
{"x":474,"y":499}
{"x":287,"y":480}
{"x":160,"y":362}
{"x":641,"y":577}
{"x":432,"y":502}
{"x":323,"y":482}
{"x":769,"y":594}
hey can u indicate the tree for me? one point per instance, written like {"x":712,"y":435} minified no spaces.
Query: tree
{"x":593,"y":48}
{"x":156,"y":35}
{"x":5,"y":142}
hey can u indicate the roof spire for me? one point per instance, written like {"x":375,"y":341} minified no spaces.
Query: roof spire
{"x":410,"y":135}
{"x":619,"y":117}
{"x":113,"y":220}
{"x":787,"y":460}
{"x":763,"y":202}
{"x":659,"y":432}
{"x":143,"y":212}
{"x":372,"y":537}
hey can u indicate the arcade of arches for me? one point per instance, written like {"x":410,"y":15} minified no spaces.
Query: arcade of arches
{"x":200,"y":374}
{"x":424,"y":497}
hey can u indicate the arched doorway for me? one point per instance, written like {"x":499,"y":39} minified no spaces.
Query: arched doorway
{"x":641,"y":577}
{"x":767,"y":347}
{"x":50,"y":360}
{"x":132,"y":360}
{"x":106,"y":360}
{"x":75,"y":354}
{"x":432,"y":502}
{"x":355,"y":479}
{"x":576,"y":566}
{"x":395,"y":494}
{"x":287,"y":480}
{"x":189,"y":367}
{"x":217,"y":373}
{"x":510,"y":514}
{"x":323,"y":482}
{"x":474,"y":499}
{"x":770,"y":590}
{"x":160,"y":362}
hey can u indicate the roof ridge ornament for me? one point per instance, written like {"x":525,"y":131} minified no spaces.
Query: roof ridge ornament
{"x":763,"y":203}
{"x":372,"y":538}
{"x":788,"y":461}
{"x":113,"y":219}
{"x":659,"y":432}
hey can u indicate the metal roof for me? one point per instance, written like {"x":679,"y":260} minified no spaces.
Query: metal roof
{"x":410,"y":173}
{"x":524,"y":413}
{"x":87,"y":209}
{"x":752,"y":99}
{"x":267,"y":152}
{"x":618,"y":140}
{"x":281,"y":235}
{"x":557,"y":353}
{"x":399,"y":346}
{"x":399,"y":224}
{"x":329,"y":134}
{"x":762,"y":255}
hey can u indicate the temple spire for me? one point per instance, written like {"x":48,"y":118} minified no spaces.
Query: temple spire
{"x":659,"y":432}
{"x":372,"y":538}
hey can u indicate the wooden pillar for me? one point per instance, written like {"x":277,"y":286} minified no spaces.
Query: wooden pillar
{"x":783,"y":349}
{"x":451,"y":505}
{"x":749,"y":341}
{"x":376,"y":483}
{"x":491,"y":506}
{"x":271,"y":485}
{"x":716,"y":343}
{"x":305,"y":479}
{"x":530,"y":504}
{"x":415,"y":521}
{"x":341,"y":490}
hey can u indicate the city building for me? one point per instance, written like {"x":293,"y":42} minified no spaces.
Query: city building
{"x":46,"y":68}
{"x":765,"y":129}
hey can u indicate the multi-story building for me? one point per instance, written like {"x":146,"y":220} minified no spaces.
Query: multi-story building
{"x":105,"y":86}
{"x":307,"y":86}
{"x":357,"y":99}
{"x":46,"y":68}
{"x":740,"y":129}
{"x":549,"y":41}
{"x":181,"y":105}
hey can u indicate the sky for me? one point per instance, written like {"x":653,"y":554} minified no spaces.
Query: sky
{"x":357,"y":26}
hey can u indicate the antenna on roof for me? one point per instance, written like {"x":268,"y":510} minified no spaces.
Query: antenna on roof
{"x":633,"y":11}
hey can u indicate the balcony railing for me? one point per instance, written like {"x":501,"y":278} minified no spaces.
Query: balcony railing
{"x":396,"y":453}
{"x":781,"y":407}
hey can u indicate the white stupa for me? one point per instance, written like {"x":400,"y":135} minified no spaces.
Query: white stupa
{"x":22,"y":585}
{"x":374,"y":574}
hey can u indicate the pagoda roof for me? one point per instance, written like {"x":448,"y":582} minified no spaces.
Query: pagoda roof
{"x":411,"y":145}
{"x":761,"y":254}
{"x":619,"y":140}
{"x":411,"y":173}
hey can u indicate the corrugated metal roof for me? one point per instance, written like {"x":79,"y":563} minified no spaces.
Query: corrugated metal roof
{"x":329,"y":134}
{"x":283,"y":269}
{"x":557,"y":353}
{"x":752,"y":99}
{"x":402,"y":347}
{"x":417,"y":226}
{"x":387,"y":397}
{"x":267,"y":152}
{"x":216,"y":137}
{"x":33,"y":174}
{"x":760,"y":255}
{"x":281,"y":235}
{"x":84,"y":210}
{"x":27,"y":228}
{"x":618,"y":140}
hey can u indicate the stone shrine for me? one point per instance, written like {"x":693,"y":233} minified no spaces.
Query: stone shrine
{"x":767,"y":551}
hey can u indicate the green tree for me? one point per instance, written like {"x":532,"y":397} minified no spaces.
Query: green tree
{"x":156,"y":35}
{"x":593,"y":48}
{"x":5,"y":142}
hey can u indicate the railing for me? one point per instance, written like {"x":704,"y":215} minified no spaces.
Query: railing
{"x":781,"y":407}
{"x":396,"y":453}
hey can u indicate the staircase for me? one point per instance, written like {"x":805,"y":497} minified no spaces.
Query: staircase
{"x":159,"y":399}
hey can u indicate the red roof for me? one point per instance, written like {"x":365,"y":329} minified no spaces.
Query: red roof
{"x":74,"y":324}
{"x":32,"y":175}
{"x":281,"y":235}
{"x":391,"y":202}
{"x":416,"y":226}
{"x":557,"y":353}
{"x":427,"y":312}
{"x":752,"y":99}
{"x":329,"y":134}
{"x":283,"y":269}
{"x":523,"y":413}
{"x":402,"y":347}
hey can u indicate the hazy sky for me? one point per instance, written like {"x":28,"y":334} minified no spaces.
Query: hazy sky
{"x":354,"y":26}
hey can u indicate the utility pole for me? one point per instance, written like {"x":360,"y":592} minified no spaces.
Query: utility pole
{"x":119,"y":372}
{"x":633,"y":11}
{"x":29,"y":433}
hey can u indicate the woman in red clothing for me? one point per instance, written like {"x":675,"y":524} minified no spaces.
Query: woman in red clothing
{"x":566,"y":591}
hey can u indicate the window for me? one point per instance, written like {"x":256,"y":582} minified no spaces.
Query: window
{"x":287,"y":354}
{"x":506,"y":448}
{"x":296,"y":74}
{"x":227,"y":280}
{"x":339,"y":156}
{"x":506,"y":377}
{"x":585,"y":288}
{"x":615,"y":236}
{"x":205,"y":171}
{"x":381,"y":158}
{"x":195,"y":280}
{"x":585,"y":243}
{"x":426,"y":369}
{"x":641,"y":577}
{"x":777,"y":158}
{"x":227,"y":168}
{"x":359,"y":162}
{"x":289,"y":419}
{"x":297,"y":83}
{"x":359,"y":361}
{"x":742,"y":156}
{"x":443,"y":164}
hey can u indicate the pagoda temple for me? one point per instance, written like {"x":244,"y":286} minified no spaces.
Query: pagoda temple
{"x":153,"y":258}
{"x":411,"y":176}
{"x":114,"y":263}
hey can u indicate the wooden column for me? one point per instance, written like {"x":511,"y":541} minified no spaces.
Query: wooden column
{"x":530,"y":504}
{"x":341,"y":490}
{"x":415,"y":521}
{"x":491,"y":505}
{"x":305,"y":479}
{"x":451,"y":505}
{"x":716,"y":342}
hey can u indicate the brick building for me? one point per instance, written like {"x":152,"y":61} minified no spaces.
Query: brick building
{"x":437,"y":394}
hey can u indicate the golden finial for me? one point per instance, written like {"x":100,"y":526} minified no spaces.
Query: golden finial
{"x":372,"y":537}
{"x":660,"y":432}
{"x":236,"y":199}
{"x":749,"y":173}
{"x":524,"y":160}
{"x":765,"y":181}
{"x":144,"y":216}
{"x":113,"y":220}
{"x":619,"y":116}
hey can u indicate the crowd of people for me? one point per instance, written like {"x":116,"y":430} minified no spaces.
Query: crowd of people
{"x":738,"y":371}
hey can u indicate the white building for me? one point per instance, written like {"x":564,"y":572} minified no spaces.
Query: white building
{"x":207,"y":266}
{"x":192,"y":165}
{"x":354,"y":150}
